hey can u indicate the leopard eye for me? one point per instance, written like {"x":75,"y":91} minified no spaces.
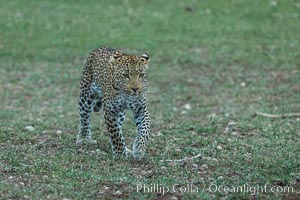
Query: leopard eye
{"x":142,"y":75}
{"x":126,"y":76}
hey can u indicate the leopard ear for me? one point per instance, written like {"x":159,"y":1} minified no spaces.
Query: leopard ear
{"x":116,"y":57}
{"x":145,"y":58}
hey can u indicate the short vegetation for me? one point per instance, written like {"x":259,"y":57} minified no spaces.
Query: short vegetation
{"x":213,"y":65}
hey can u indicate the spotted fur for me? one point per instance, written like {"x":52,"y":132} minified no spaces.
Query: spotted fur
{"x":114,"y":81}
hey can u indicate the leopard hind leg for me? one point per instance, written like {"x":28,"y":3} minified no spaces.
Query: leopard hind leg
{"x":88,"y":103}
{"x":98,"y":105}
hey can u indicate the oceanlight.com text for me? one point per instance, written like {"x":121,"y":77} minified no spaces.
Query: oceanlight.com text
{"x":213,"y":188}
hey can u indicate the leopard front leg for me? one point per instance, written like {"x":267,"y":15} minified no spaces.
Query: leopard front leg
{"x":142,"y":121}
{"x":114,"y":121}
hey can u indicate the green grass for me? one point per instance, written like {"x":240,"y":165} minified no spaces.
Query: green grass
{"x":227,"y":59}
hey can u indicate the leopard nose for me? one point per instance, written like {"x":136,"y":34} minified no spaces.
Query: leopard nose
{"x":134,"y":89}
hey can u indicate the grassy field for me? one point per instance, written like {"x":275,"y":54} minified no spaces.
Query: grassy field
{"x":213,"y":64}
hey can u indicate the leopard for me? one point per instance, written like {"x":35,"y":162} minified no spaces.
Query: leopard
{"x":112,"y":82}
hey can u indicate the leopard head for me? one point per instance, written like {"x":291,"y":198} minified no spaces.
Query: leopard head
{"x":129,"y":72}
